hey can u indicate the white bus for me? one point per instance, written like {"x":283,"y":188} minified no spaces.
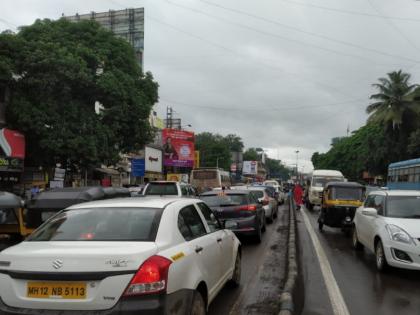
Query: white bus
{"x":208,"y":178}
{"x":318,"y":181}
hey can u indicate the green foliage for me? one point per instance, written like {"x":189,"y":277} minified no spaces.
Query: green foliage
{"x":65,"y":68}
{"x":216,"y":149}
{"x":275,"y":169}
{"x":251,"y":154}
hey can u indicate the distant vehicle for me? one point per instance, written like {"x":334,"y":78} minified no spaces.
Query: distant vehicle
{"x":169,"y":188}
{"x":122,"y":256}
{"x":279,"y":189}
{"x":238,"y":210}
{"x":267,"y":197}
{"x":205,"y":179}
{"x":388,"y":225}
{"x":12,"y":226}
{"x":404,"y":175}
{"x":318,"y":181}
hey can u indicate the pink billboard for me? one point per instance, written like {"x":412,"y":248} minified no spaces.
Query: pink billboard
{"x":178,"y":148}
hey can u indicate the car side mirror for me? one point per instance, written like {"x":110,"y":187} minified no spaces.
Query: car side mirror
{"x":370,"y":212}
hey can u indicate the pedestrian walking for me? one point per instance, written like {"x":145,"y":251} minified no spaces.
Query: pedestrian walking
{"x":297,"y":195}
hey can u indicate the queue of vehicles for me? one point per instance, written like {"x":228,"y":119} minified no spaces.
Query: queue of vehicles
{"x":384,"y":221}
{"x":166,"y":251}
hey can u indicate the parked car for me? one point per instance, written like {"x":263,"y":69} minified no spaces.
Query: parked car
{"x":238,"y":210}
{"x":388,"y":225}
{"x":121,"y":256}
{"x":169,"y":188}
{"x":266,"y":196}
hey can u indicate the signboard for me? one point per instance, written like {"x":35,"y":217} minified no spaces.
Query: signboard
{"x":12,"y":143}
{"x":137,"y":167}
{"x":8,"y":164}
{"x":233,"y":167}
{"x":178,"y":148}
{"x":177,"y":177}
{"x":56,"y":184}
{"x":59,"y":174}
{"x":250,"y":168}
{"x":153,"y":159}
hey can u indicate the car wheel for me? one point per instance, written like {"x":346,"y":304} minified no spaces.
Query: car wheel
{"x":198,"y":306}
{"x":236,"y":277}
{"x":355,"y":240}
{"x":258,"y":235}
{"x":320,"y":226}
{"x":264,"y":225}
{"x":381,"y":263}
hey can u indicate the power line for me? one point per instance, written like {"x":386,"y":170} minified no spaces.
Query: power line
{"x":349,"y":11}
{"x":319,"y":47}
{"x":9,"y":23}
{"x":304,"y":31}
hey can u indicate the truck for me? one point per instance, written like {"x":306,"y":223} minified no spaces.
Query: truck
{"x":317,"y":183}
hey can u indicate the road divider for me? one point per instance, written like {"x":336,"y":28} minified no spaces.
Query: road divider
{"x":292,"y":297}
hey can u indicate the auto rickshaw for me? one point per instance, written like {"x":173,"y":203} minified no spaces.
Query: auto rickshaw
{"x":12,"y":227}
{"x":48,"y":203}
{"x":339,"y":203}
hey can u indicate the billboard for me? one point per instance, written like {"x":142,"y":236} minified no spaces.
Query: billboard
{"x":12,"y":143}
{"x":178,"y":148}
{"x":250,"y":168}
{"x":153,"y":159}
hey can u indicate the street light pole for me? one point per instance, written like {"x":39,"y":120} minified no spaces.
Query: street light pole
{"x":297,"y":169}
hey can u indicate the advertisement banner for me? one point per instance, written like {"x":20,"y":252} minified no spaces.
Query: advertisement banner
{"x":250,"y":168}
{"x":137,"y":167}
{"x":12,"y":143}
{"x":153,"y":160}
{"x":177,"y":177}
{"x":196,"y":159}
{"x":178,"y":148}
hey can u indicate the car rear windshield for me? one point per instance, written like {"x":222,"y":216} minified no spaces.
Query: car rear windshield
{"x":258,"y":193}
{"x":403,"y":207}
{"x":347,"y":193}
{"x":225,"y":200}
{"x":161,"y":189}
{"x":101,"y":224}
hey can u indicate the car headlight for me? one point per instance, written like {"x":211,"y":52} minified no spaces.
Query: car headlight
{"x":399,"y":235}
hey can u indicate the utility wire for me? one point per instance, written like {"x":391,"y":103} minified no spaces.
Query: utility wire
{"x":305,"y":4}
{"x":305,"y":32}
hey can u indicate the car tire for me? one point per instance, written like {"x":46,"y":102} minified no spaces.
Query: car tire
{"x":381,"y":263}
{"x":355,"y":240}
{"x":237,"y":272}
{"x":198,"y":306}
{"x":258,"y":235}
{"x":264,"y":225}
{"x":320,"y":226}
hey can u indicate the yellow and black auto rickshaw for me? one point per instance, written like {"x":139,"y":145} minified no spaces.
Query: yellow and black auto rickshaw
{"x":12,"y":226}
{"x":339,"y":203}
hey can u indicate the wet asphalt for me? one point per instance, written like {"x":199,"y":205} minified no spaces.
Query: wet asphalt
{"x":263,"y":274}
{"x":365,"y":291}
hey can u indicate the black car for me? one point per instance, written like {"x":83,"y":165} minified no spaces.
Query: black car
{"x":239,"y":211}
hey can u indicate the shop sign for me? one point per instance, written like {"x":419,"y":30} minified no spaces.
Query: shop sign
{"x":8,"y":164}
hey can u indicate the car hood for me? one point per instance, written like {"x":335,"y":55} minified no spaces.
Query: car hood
{"x":411,"y":226}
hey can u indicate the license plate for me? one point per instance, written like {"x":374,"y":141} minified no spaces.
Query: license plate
{"x":63,"y":290}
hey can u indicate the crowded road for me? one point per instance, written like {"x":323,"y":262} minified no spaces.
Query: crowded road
{"x":263,"y":268}
{"x":364,"y":290}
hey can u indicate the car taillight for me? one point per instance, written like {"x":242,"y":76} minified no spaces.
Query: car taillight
{"x":152,"y":277}
{"x":247,"y":208}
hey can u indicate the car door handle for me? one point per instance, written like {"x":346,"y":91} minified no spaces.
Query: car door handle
{"x":219,"y":240}
{"x":198,"y":249}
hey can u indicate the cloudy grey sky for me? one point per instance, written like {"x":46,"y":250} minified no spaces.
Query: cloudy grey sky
{"x":285,"y":75}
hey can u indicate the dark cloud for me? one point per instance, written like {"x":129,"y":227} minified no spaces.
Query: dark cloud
{"x":291,"y":82}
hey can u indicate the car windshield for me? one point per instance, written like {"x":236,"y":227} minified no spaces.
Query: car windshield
{"x":159,"y":189}
{"x":100,"y":224}
{"x":225,"y":200}
{"x":321,"y":181}
{"x":347,"y":193}
{"x":403,"y":206}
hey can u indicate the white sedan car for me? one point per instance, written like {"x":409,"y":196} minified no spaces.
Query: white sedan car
{"x":121,"y":256}
{"x":388,"y":224}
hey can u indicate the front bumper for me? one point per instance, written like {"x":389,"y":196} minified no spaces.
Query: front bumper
{"x":413,"y":251}
{"x":176,"y":303}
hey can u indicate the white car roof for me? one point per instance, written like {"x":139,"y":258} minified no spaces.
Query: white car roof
{"x":144,"y":202}
{"x":396,"y":192}
{"x":331,"y":173}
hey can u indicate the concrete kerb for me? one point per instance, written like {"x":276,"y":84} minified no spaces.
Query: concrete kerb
{"x":291,"y":300}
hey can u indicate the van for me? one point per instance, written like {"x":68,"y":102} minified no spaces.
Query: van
{"x":318,"y":181}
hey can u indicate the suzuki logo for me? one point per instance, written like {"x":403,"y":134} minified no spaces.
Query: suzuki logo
{"x":57,"y":264}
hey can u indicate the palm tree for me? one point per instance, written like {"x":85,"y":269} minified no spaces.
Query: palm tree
{"x":395,"y":98}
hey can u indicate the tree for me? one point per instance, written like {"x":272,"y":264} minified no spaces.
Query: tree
{"x":393,"y":101}
{"x":234,"y":143}
{"x":251,"y":154}
{"x":276,"y":169}
{"x":65,"y":68}
{"x":215,"y":150}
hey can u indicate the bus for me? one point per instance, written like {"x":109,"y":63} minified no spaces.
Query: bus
{"x":404,"y":175}
{"x":208,"y":178}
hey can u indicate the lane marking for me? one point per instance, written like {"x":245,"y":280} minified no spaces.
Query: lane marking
{"x":337,"y":301}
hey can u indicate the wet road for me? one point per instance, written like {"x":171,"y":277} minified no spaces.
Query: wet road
{"x":263,"y":268}
{"x":365,"y":291}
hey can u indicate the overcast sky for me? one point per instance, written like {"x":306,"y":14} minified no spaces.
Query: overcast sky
{"x":284,"y":75}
